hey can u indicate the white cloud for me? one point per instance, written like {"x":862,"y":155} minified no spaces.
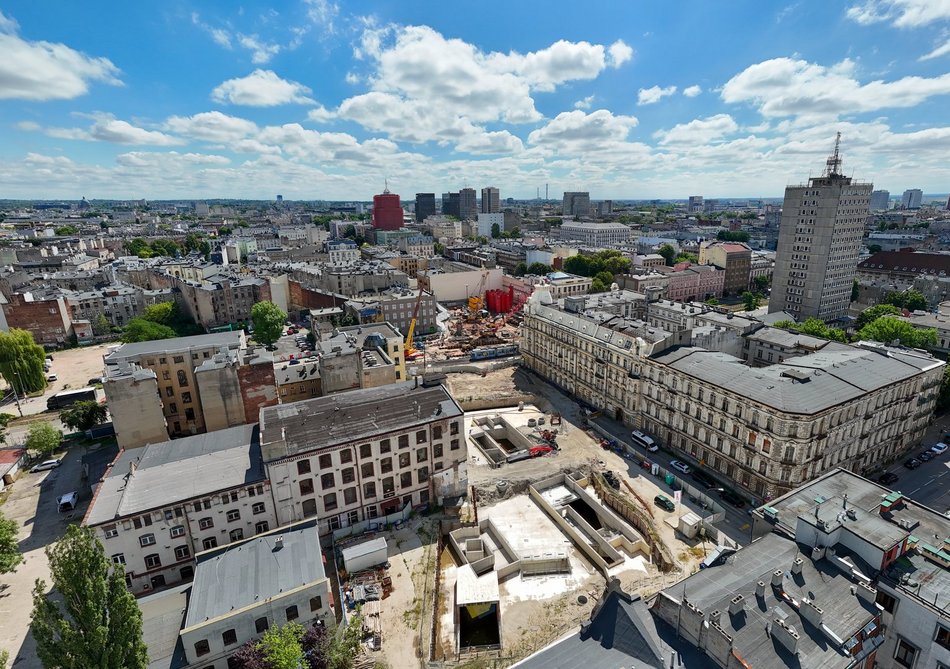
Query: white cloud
{"x":652,"y":95}
{"x":8,"y":25}
{"x":107,"y":128}
{"x":352,"y":78}
{"x":261,"y":88}
{"x":698,"y":131}
{"x":323,"y":13}
{"x":787,"y":87}
{"x":220,"y":36}
{"x":28,"y":126}
{"x":692,"y":91}
{"x":261,"y":51}
{"x":168,"y":160}
{"x":577,"y":131}
{"x":47,"y":70}
{"x":938,"y":51}
{"x":619,"y":53}
{"x":545,"y":69}
{"x":903,"y":13}
{"x":321,"y":114}
{"x":584,"y":103}
{"x":212,"y":127}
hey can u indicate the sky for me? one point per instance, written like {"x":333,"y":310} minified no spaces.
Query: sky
{"x":315,"y":99}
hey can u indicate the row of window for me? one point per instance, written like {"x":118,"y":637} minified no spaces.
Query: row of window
{"x":261,"y":625}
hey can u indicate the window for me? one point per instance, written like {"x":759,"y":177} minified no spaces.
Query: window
{"x":389,"y":486}
{"x":172,"y":408}
{"x":329,"y":501}
{"x":206,"y":523}
{"x":309,"y":507}
{"x":405,"y":480}
{"x":316,"y":603}
{"x":118,"y":558}
{"x":326,"y":481}
{"x":905,"y":654}
{"x":886,"y":601}
{"x":404,"y":460}
{"x":369,"y":490}
{"x":437,"y":451}
{"x":166,"y":375}
{"x":348,"y":475}
{"x":306,"y":486}
{"x":421,"y":437}
{"x":111,"y":531}
{"x":423,"y":474}
{"x":385,"y":446}
{"x":422,"y":455}
{"x":366,"y":451}
{"x":236,"y":535}
{"x":169,"y":391}
{"x":303,"y":466}
{"x":187,"y":573}
{"x":229,"y":637}
{"x":189,"y":414}
{"x":366,"y":469}
{"x":258,"y":508}
{"x":178,"y":358}
{"x":386,"y":465}
{"x":404,"y":441}
{"x":182,"y":552}
{"x":437,"y":432}
{"x":454,"y":445}
{"x":146,"y":540}
{"x":209,"y":543}
{"x":261,"y":527}
{"x":326,"y":461}
{"x":202,"y":647}
{"x":346,"y":455}
{"x":453,"y":428}
{"x":349,"y":496}
{"x":177,"y":531}
{"x":261,"y":625}
{"x":234,"y":514}
{"x":291,"y":613}
{"x":153,"y":560}
{"x":943,"y":636}
{"x":182,"y":379}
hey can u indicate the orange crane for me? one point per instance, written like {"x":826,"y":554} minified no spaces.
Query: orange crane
{"x":477,"y":301}
{"x":411,"y":351}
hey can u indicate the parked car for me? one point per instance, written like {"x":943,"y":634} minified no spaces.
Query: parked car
{"x":702,"y":478}
{"x":51,"y":377}
{"x":46,"y":465}
{"x":664,"y":502}
{"x":96,"y":380}
{"x":925,"y":456}
{"x":887,"y":478}
{"x":732,"y":498}
{"x":680,"y":466}
{"x":913,"y":463}
{"x":646,"y":464}
{"x":939,"y":449}
{"x":644,"y":440}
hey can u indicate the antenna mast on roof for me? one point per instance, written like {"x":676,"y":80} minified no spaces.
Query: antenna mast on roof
{"x":834,"y":162}
{"x":386,"y":181}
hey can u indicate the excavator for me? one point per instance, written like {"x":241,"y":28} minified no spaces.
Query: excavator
{"x":411,"y":352}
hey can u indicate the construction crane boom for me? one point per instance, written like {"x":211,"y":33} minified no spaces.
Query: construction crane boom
{"x":410,"y":349}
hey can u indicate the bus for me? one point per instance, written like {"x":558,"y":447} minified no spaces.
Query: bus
{"x":66,"y":398}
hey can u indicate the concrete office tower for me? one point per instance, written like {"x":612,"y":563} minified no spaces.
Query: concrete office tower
{"x":818,"y":244}
{"x":880,"y":200}
{"x":491,"y":203}
{"x":387,"y":211}
{"x":468,"y":210}
{"x":576,"y":204}
{"x":425,"y":206}
{"x":912,"y":198}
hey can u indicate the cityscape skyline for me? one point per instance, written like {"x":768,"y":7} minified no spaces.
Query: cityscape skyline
{"x":317,"y":102}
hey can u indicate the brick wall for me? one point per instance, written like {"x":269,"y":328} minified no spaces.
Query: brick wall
{"x":47,"y":320}
{"x":258,"y":387}
{"x":305,"y":298}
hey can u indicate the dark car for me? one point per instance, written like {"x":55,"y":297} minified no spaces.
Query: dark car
{"x":887,"y":478}
{"x":926,"y":456}
{"x":702,"y":478}
{"x":664,"y":502}
{"x":732,"y":498}
{"x":913,"y":463}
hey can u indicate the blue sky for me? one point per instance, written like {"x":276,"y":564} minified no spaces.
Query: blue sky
{"x":321,"y":100}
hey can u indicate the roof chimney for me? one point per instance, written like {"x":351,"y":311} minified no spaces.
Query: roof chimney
{"x":278,"y":543}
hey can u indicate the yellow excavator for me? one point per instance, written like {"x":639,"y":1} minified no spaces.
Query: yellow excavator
{"x":411,"y":351}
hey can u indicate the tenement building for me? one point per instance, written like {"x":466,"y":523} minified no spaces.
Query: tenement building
{"x":767,"y":428}
{"x":363,"y":454}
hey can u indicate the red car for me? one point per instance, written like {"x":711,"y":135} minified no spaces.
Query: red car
{"x":646,"y":464}
{"x":535,"y":451}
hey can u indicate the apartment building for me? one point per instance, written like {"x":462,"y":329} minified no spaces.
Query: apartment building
{"x":119,"y":304}
{"x":561,"y":284}
{"x":689,"y":282}
{"x":894,"y":549}
{"x":395,"y":307}
{"x":159,"y":505}
{"x":735,"y":259}
{"x":45,"y":316}
{"x":360,"y":455}
{"x":595,"y":235}
{"x":343,"y":252}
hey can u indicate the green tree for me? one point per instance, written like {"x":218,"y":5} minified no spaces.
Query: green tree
{"x":605,"y":278}
{"x":92,"y":620}
{"x":855,"y":291}
{"x":495,"y":231}
{"x":578,"y":265}
{"x":750,"y":301}
{"x":686,"y":257}
{"x":668,"y":253}
{"x":438,"y":248}
{"x":196,"y":242}
{"x":943,"y":399}
{"x":281,"y":647}
{"x":761,"y":283}
{"x":711,"y":301}
{"x":5,"y":419}
{"x":814,"y":327}
{"x":43,"y":438}
{"x":538,"y":269}
{"x":732,"y":236}
{"x":165,"y":247}
{"x":139,"y":329}
{"x":873,"y":313}
{"x":521,"y":269}
{"x":66,"y":230}
{"x":163,"y":313}
{"x":84,"y":415}
{"x":268,"y":322}
{"x":889,"y":329}
{"x":101,"y":325}
{"x":598,"y":286}
{"x":21,"y":361}
{"x":515,"y":232}
{"x":874,"y":248}
{"x":345,"y":644}
{"x":912,"y":300}
{"x":136,"y":246}
{"x":9,"y":549}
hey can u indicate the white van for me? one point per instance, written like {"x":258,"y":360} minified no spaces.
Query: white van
{"x":643,"y":441}
{"x":68,"y":502}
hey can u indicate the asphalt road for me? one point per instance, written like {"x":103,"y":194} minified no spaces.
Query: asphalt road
{"x":929,"y":484}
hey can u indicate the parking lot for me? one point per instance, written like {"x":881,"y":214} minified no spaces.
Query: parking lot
{"x":32,"y":504}
{"x":73,"y":369}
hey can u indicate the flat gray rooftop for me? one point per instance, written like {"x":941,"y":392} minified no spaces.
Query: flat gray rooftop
{"x":178,"y":344}
{"x":252,"y":571}
{"x":310,"y":425}
{"x":174,"y":471}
